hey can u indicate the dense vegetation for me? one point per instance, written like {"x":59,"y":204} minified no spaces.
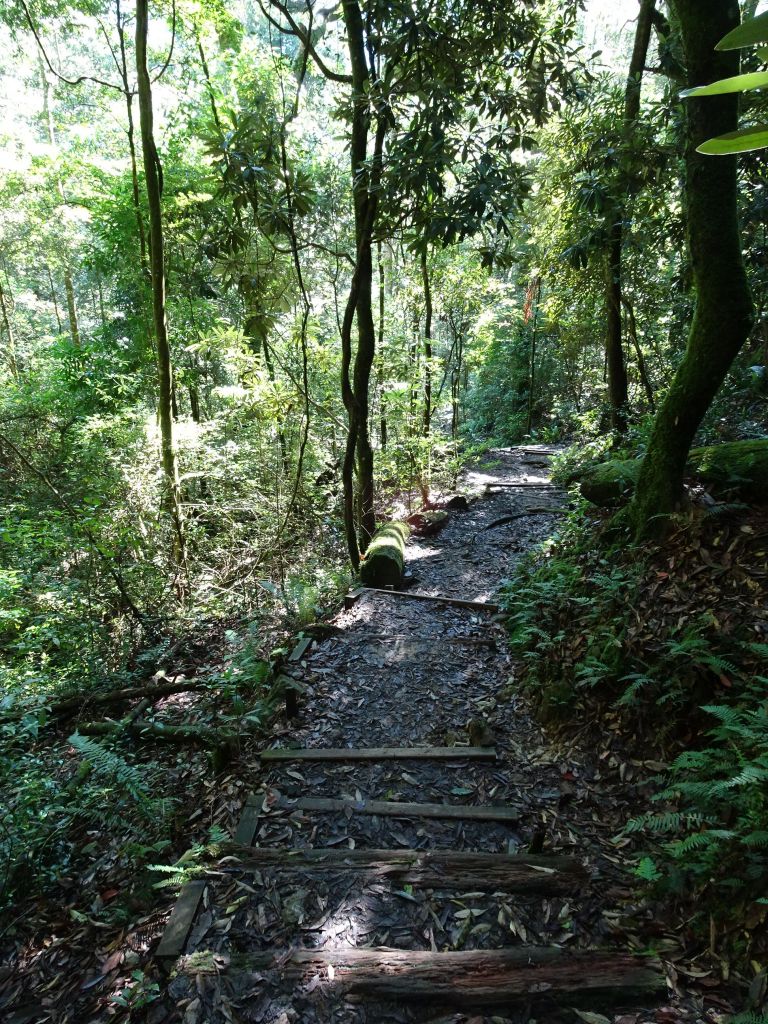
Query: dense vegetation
{"x":269,"y":273}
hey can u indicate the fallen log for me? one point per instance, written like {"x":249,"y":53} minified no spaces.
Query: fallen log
{"x":81,"y":701}
{"x":471,"y":977}
{"x":443,"y":869}
{"x":384,"y":560}
{"x":401,"y":809}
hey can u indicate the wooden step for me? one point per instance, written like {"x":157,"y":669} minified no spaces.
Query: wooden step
{"x":464,"y":871}
{"x":379,"y":754}
{"x":543,"y":486}
{"x":398,"y":809}
{"x":473,"y":977}
{"x":351,"y":599}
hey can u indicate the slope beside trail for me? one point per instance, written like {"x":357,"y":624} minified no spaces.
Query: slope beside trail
{"x":305,"y":924}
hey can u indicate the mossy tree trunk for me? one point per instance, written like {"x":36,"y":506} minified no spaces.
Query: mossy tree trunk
{"x":153,"y":176}
{"x":723,"y":313}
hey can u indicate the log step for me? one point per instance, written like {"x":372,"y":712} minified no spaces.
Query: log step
{"x":398,"y":809}
{"x":380,"y":754}
{"x":354,"y":596}
{"x":472,"y":977}
{"x":464,"y":871}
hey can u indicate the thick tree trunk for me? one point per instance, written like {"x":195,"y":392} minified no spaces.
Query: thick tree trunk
{"x":723,"y":314}
{"x":154,"y":182}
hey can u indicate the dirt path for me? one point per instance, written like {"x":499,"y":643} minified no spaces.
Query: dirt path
{"x":402,"y":673}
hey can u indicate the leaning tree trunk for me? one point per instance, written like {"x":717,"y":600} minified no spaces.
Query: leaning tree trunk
{"x":723,"y":314}
{"x":154,"y":181}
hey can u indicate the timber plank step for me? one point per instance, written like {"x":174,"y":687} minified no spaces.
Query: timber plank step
{"x":401,"y":809}
{"x":472,"y":977}
{"x":545,"y":486}
{"x":174,"y":938}
{"x":443,"y":869}
{"x":379,"y":754}
{"x":354,"y":596}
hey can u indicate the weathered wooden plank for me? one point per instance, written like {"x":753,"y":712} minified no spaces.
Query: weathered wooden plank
{"x":380,"y":754}
{"x":300,"y":649}
{"x":474,"y":977}
{"x":397,"y":809}
{"x":480,"y":606}
{"x":543,"y":486}
{"x":445,"y":869}
{"x":245,"y":833}
{"x":174,"y":937}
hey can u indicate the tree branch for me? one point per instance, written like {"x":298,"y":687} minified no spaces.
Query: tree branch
{"x":52,"y":69}
{"x":304,"y":38}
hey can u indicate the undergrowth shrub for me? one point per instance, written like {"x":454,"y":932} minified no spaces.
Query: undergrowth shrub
{"x":669,"y":642}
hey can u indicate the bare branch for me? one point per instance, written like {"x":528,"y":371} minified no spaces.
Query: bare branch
{"x":52,"y":69}
{"x":303,"y":36}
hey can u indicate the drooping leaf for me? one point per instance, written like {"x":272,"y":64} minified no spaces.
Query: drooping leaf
{"x":751,"y":32}
{"x":739,"y":83}
{"x":742,"y":141}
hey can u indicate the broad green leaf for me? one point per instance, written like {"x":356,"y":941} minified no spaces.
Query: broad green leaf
{"x":739,"y":83}
{"x":742,"y":141}
{"x":762,"y":53}
{"x":749,"y":33}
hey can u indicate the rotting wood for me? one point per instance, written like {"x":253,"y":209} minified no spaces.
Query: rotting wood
{"x":473,"y":977}
{"x":481,"y":606}
{"x":379,"y":754}
{"x":174,"y":937}
{"x":443,"y":869}
{"x":96,"y":699}
{"x":300,"y":649}
{"x":245,"y":833}
{"x":397,"y":809}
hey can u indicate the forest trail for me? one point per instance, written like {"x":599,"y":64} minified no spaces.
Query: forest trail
{"x":499,"y":887}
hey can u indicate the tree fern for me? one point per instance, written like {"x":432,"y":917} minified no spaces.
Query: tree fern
{"x":110,"y":765}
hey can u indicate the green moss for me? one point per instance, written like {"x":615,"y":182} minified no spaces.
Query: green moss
{"x":607,"y":484}
{"x":741,"y":465}
{"x":385,"y":557}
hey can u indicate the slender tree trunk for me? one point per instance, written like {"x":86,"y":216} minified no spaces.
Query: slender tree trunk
{"x":617,"y":370}
{"x":53,"y":297}
{"x":13,"y":365}
{"x":69,"y":288}
{"x":723,"y":313}
{"x":427,"y":342}
{"x":380,"y":349}
{"x":641,"y":367}
{"x":535,"y":299}
{"x":154,"y":182}
{"x":131,"y":131}
{"x":359,"y":304}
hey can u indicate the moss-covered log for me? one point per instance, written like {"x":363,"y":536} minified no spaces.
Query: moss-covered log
{"x":608,"y":484}
{"x":385,"y":557}
{"x":738,"y":466}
